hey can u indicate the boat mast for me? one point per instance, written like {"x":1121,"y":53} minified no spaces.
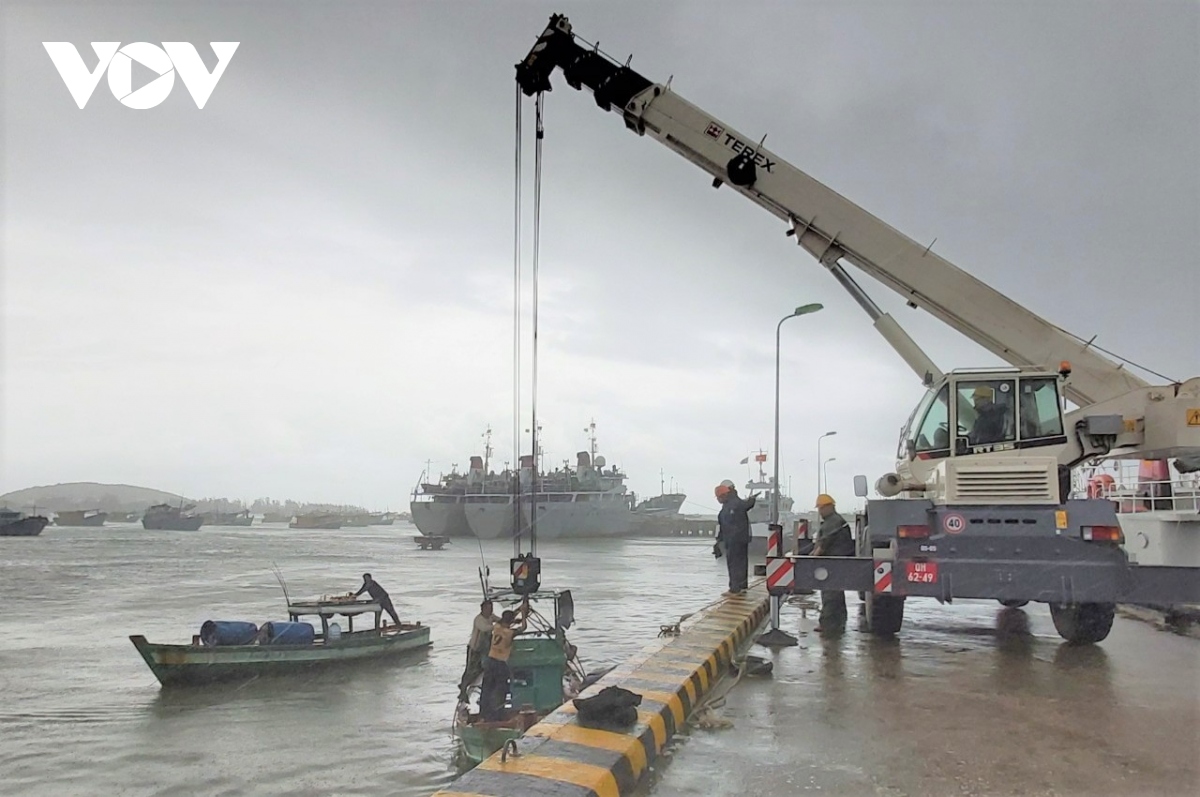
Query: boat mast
{"x":591,"y":430}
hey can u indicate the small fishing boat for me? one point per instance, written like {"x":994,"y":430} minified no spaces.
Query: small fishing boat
{"x":80,"y":517}
{"x":164,"y":517}
{"x":545,"y":673}
{"x":242,"y":518}
{"x":237,"y":650}
{"x":18,"y":524}
{"x":430,"y":542}
{"x":317,"y":520}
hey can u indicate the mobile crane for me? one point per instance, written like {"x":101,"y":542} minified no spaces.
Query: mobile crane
{"x":979,"y":504}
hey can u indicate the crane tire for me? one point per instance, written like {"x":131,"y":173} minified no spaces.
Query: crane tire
{"x":1084,"y":623}
{"x":885,"y":614}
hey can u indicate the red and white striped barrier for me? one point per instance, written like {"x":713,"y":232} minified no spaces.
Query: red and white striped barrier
{"x":775,"y":540}
{"x":780,"y":573}
{"x":883,"y":576}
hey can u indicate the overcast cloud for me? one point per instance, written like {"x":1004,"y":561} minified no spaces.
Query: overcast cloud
{"x":305,"y":289}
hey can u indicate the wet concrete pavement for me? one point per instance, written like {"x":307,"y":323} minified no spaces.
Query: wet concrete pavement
{"x":972,"y":699}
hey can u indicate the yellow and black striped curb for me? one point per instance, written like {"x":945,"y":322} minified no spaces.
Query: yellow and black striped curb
{"x":560,"y":758}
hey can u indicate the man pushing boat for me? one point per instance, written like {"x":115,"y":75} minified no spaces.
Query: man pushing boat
{"x":497,"y":677}
{"x":379,"y":595}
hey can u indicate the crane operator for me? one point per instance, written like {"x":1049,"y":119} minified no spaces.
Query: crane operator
{"x":989,"y":417}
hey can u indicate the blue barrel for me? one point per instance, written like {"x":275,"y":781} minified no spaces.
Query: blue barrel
{"x":281,"y":633}
{"x":227,"y":632}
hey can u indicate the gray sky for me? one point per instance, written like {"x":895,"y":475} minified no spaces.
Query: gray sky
{"x":305,"y":289}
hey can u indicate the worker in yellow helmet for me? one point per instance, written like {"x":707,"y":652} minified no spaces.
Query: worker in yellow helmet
{"x":833,"y":539}
{"x":733,"y":529}
{"x":990,"y":416}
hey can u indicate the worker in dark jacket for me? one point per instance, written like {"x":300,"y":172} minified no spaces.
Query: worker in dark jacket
{"x":379,"y":595}
{"x":833,"y":539}
{"x":733,"y":529}
{"x":990,"y":417}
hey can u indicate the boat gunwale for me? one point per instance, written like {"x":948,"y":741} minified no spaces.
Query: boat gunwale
{"x":368,"y":638}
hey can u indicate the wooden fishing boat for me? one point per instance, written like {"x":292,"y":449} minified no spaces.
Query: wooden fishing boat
{"x":164,"y":517}
{"x":279,"y":648}
{"x":18,"y":524}
{"x":316,"y":520}
{"x":80,"y":517}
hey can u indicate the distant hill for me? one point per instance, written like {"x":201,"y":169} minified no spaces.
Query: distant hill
{"x":88,"y":495}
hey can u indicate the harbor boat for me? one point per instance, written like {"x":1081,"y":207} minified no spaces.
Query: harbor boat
{"x":243,"y":518}
{"x":428,"y":542}
{"x":760,"y":515}
{"x":164,"y":517}
{"x":664,"y":504}
{"x":123,"y":517}
{"x":236,"y":650}
{"x":438,"y":510}
{"x":439,"y":513}
{"x":18,"y":524}
{"x":585,"y":501}
{"x":277,"y":517}
{"x":545,"y":673}
{"x":316,"y":520}
{"x":80,"y":517}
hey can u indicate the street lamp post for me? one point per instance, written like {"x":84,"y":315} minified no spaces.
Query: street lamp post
{"x":776,"y":637}
{"x":819,"y":439}
{"x":825,"y":469}
{"x":799,"y":311}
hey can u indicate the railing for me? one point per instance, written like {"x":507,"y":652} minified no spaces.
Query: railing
{"x":1169,"y":495}
{"x":1121,"y":482}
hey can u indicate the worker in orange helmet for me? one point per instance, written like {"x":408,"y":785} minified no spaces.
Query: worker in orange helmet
{"x":833,"y":539}
{"x":733,"y":529}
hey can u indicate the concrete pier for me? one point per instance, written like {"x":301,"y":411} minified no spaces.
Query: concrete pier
{"x":560,"y":758}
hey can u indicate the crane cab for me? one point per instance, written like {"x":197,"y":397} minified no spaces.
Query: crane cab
{"x":974,"y":417}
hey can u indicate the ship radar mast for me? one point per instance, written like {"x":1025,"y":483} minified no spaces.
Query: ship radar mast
{"x":487,"y":449}
{"x":591,"y":433}
{"x":538,"y":456}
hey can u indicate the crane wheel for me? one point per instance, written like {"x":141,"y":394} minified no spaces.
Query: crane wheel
{"x":1085,"y":623}
{"x":885,"y":614}
{"x":1013,"y":604}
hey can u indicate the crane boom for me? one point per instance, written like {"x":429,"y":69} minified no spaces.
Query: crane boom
{"x":986,"y":450}
{"x":827,"y":225}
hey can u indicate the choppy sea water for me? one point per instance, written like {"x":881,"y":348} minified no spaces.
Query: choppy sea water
{"x":80,"y":713}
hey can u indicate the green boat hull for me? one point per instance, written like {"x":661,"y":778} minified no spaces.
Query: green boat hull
{"x":537,"y":666}
{"x":188,"y":665}
{"x":479,"y":744}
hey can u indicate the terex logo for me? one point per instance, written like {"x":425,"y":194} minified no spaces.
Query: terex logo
{"x":714,"y":130}
{"x":164,"y":61}
{"x":740,"y":147}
